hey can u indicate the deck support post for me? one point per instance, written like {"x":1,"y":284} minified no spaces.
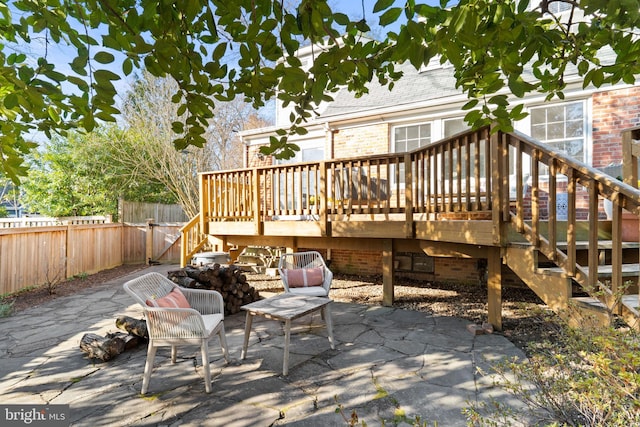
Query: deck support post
{"x":387,"y":273}
{"x":292,"y":247}
{"x":494,"y":288}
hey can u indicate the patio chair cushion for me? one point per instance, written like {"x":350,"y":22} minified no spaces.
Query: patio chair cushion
{"x":305,"y":277}
{"x":174,"y":299}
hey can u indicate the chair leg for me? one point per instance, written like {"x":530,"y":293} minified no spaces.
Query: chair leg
{"x":148,"y":367}
{"x":205,"y":366}
{"x":174,"y":353}
{"x":223,"y":343}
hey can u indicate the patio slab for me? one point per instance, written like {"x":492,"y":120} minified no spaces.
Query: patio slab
{"x":386,"y":362}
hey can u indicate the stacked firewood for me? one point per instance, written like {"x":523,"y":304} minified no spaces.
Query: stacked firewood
{"x":230,"y":281}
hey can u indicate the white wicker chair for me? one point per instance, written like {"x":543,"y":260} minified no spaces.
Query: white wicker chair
{"x":310,"y":260}
{"x":179,"y":326}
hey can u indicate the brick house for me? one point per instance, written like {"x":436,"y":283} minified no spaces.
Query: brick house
{"x":424,"y":107}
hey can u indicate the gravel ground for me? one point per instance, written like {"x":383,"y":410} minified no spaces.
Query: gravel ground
{"x":526,"y":320}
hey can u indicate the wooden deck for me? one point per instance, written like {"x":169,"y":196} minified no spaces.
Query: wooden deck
{"x":478,"y":194}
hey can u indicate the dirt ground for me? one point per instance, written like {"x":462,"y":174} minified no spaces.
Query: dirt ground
{"x":526,"y":320}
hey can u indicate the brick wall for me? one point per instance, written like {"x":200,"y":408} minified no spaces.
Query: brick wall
{"x":367,"y":263}
{"x":254,"y":159}
{"x":356,"y":262}
{"x":613,"y":111}
{"x":361,"y":141}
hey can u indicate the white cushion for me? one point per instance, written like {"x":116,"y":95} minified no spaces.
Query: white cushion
{"x":211,"y":321}
{"x":312,"y":291}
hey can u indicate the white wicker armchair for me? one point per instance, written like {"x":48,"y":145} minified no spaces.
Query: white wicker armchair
{"x":178,"y":326}
{"x":305,"y":273}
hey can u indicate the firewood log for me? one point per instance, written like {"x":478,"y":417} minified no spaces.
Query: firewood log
{"x":103,"y":348}
{"x":133,"y":326}
{"x":130,"y":341}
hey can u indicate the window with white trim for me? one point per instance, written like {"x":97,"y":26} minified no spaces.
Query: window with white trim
{"x":553,"y":6}
{"x":310,"y":151}
{"x":563,"y":127}
{"x":454,"y":126}
{"x":556,"y":7}
{"x":408,"y":138}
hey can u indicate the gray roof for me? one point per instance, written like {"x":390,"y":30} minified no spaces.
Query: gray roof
{"x":413,"y":87}
{"x":433,"y":84}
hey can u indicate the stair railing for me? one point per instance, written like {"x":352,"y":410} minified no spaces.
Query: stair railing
{"x":193,"y":239}
{"x":553,"y":192}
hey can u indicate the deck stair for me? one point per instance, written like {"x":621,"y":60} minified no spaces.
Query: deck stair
{"x":570,"y":294}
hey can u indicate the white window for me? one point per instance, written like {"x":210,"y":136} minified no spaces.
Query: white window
{"x":310,"y":151}
{"x":556,"y":7}
{"x":454,"y":126}
{"x":553,"y":6}
{"x":304,"y":182}
{"x":411,"y":137}
{"x":408,"y":138}
{"x":563,"y":127}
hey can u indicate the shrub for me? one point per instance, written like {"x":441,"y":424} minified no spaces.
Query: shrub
{"x":5,"y":308}
{"x":589,"y":377}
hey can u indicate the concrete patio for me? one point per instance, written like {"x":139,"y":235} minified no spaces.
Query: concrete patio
{"x":388,"y":363}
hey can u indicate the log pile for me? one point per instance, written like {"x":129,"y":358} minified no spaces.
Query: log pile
{"x":230,"y":281}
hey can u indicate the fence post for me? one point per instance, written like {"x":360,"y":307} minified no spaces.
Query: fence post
{"x":149,"y":241}
{"x":67,"y":255}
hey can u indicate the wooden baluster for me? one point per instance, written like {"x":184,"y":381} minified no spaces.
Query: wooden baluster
{"x":535,"y":198}
{"x":467,"y":172}
{"x":519,"y":188}
{"x":594,"y":252}
{"x":571,"y":222}
{"x":553,"y":206}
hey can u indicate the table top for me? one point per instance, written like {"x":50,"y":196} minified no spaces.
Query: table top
{"x":286,"y":306}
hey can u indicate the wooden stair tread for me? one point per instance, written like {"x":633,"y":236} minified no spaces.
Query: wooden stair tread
{"x":606,"y":271}
{"x":582,"y":245}
{"x":632,"y":302}
{"x":602,"y":244}
{"x":590,"y":302}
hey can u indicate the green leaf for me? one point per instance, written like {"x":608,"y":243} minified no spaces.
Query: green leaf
{"x":219,"y":51}
{"x":390,"y":16}
{"x":89,"y":122}
{"x":177,"y":127}
{"x":471,"y":104}
{"x":104,"y":57}
{"x":127,"y":66}
{"x":10,"y":101}
{"x":341,"y":19}
{"x":382,"y":5}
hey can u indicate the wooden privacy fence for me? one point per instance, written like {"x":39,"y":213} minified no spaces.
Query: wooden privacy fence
{"x":32,"y":256}
{"x":139,"y":212}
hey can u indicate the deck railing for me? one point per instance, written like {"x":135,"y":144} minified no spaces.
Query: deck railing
{"x":449,"y":176}
{"x":520,"y":184}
